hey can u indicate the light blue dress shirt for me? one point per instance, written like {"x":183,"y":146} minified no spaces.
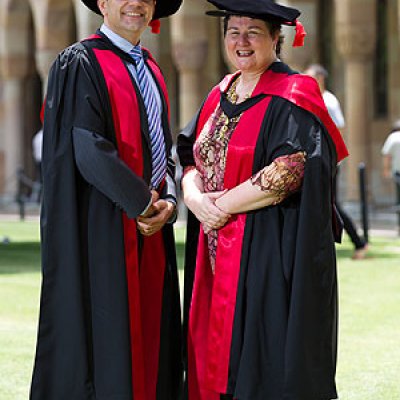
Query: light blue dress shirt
{"x":126,"y":47}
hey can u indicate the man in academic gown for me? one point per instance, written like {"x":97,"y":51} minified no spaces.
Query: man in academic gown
{"x":110,"y":313}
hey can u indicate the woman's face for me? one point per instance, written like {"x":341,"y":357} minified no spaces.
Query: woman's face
{"x":249,"y":44}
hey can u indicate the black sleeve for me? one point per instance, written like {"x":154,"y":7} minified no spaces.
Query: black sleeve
{"x":81,"y":121}
{"x":99,"y":164}
{"x":282,"y":126}
{"x":169,"y":191}
{"x":288,"y":129}
{"x":186,"y":140}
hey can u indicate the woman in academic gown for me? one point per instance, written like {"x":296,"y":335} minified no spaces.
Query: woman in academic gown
{"x":260,"y":280}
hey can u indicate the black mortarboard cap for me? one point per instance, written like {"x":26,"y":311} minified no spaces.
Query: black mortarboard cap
{"x":261,"y":9}
{"x":164,"y":8}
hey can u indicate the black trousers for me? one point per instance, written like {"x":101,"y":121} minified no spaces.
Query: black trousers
{"x":348,"y":224}
{"x":350,"y":229}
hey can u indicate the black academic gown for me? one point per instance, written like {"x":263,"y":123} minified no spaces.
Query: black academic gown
{"x":283,"y":337}
{"x":89,"y":192}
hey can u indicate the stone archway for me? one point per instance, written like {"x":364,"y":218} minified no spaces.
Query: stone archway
{"x":16,"y":66}
{"x":87,"y":21}
{"x":356,"y":39}
{"x":32,"y":34}
{"x":55,"y":29}
{"x":32,"y":101}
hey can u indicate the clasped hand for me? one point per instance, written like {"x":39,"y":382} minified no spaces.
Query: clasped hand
{"x":203,"y":207}
{"x":157,"y":215}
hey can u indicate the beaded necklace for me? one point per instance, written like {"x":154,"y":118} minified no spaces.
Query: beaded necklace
{"x":232,"y":93}
{"x":224,"y":121}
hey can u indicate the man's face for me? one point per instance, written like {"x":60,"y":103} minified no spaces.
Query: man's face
{"x":127,"y":18}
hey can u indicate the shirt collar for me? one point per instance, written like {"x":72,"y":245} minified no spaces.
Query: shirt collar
{"x":117,"y":40}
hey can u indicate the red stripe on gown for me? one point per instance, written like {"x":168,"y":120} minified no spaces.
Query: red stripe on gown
{"x":145,"y":286}
{"x":151,"y":289}
{"x":214,"y":297}
{"x":152,"y":283}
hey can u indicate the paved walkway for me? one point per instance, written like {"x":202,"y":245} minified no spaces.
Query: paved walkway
{"x":381,"y":223}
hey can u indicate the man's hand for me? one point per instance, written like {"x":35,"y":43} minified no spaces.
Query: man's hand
{"x":151,"y":210}
{"x":153,"y":221}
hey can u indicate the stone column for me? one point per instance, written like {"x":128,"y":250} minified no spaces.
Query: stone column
{"x":356,"y":38}
{"x":2,"y":139}
{"x":153,"y":41}
{"x":398,"y":15}
{"x":87,"y":22}
{"x":300,"y":57}
{"x":189,"y":45}
{"x":54,"y":23}
{"x":14,"y":68}
{"x":13,"y":128}
{"x":44,"y":60}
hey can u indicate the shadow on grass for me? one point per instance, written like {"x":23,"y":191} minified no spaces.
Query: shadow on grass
{"x":371,"y":254}
{"x":25,"y":257}
{"x":180,"y":254}
{"x":21,"y":257}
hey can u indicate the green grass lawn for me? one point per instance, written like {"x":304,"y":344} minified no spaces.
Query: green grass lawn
{"x":19,"y":300}
{"x":369,"y":324}
{"x":369,"y":345}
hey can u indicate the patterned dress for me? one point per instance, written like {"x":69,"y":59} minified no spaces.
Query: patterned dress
{"x":278,"y":180}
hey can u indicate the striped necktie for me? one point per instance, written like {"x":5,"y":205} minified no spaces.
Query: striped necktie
{"x":159,"y":161}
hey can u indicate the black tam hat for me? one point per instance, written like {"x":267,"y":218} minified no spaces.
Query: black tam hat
{"x":266,"y":10}
{"x":164,"y":8}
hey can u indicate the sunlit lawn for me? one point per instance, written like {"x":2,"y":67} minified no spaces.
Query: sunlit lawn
{"x":369,"y":351}
{"x":19,"y":299}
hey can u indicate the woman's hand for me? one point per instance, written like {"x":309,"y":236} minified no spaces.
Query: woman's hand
{"x":202,"y":205}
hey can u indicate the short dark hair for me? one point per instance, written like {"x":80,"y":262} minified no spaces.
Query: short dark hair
{"x":317,"y":70}
{"x":273,"y":26}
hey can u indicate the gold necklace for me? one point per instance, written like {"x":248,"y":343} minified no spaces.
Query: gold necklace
{"x":247,"y":95}
{"x":224,"y":120}
{"x":232,"y":94}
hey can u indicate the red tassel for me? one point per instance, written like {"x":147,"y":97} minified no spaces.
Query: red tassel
{"x":42,"y":111}
{"x":155,"y":26}
{"x":300,"y":34}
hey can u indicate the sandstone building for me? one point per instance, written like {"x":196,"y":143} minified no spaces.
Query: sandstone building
{"x":357,"y":40}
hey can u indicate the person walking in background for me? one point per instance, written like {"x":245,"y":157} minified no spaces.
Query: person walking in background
{"x":260,"y":271}
{"x":37,"y":146}
{"x":110,"y":312}
{"x":332,"y":104}
{"x":37,"y":143}
{"x":320,"y":74}
{"x":391,"y":159}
